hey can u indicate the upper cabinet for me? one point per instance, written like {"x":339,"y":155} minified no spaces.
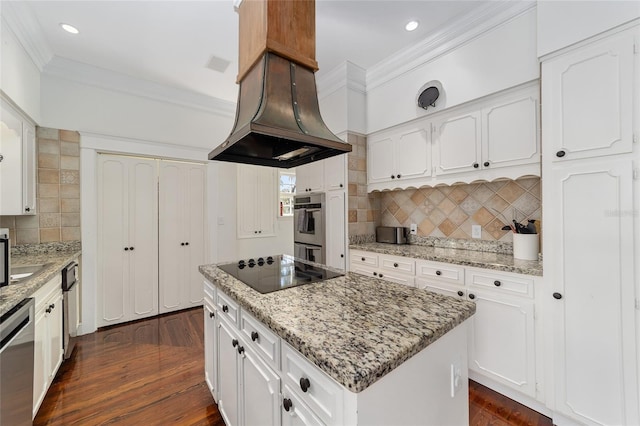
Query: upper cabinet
{"x":399,"y":155}
{"x":588,"y":96}
{"x":17,"y":163}
{"x":257,"y":201}
{"x":488,"y":139}
{"x":324,"y":175}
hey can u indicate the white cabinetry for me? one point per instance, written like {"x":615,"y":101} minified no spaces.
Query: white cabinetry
{"x":210,"y":340}
{"x":588,"y":164}
{"x":400,"y":154}
{"x":127,"y":239}
{"x":503,"y":352}
{"x":181,"y":217}
{"x":335,"y":172}
{"x":335,"y":229}
{"x":17,"y":162}
{"x":257,"y":201}
{"x":458,"y":143}
{"x":48,"y":338}
{"x":310,"y":177}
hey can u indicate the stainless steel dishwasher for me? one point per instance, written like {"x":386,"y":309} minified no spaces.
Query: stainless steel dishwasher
{"x":16,"y":364}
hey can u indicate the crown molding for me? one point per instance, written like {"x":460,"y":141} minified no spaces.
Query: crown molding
{"x":347,"y":74}
{"x":456,"y":34}
{"x":109,"y":80}
{"x":19,"y":19}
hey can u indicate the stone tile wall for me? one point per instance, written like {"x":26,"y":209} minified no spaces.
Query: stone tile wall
{"x":449,"y":211}
{"x":57,"y":192}
{"x":364,"y":209}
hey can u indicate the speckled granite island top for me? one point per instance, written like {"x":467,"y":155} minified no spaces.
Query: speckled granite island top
{"x":478,"y":259}
{"x":354,"y":328}
{"x":56,"y":258}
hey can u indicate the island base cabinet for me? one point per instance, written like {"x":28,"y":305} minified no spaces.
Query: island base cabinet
{"x":228,"y":384}
{"x":295,"y":412}
{"x":259,"y":389}
{"x":209,"y":348}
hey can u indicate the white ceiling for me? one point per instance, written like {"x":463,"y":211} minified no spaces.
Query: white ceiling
{"x":171,"y":42}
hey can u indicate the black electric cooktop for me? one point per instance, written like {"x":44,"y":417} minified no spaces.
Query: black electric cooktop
{"x":273,"y":273}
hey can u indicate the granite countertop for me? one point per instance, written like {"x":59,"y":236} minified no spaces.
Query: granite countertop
{"x":55,"y":256}
{"x":354,"y":328}
{"x":479,"y":259}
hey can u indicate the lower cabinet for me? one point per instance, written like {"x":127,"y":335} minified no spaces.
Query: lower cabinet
{"x":210,"y":370}
{"x":502,"y":347}
{"x":48,"y":351}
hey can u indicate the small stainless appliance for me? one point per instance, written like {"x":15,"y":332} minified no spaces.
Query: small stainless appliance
{"x":309,"y":230}
{"x":392,"y":234}
{"x":5,"y":257}
{"x":70,"y":284}
{"x":16,"y":364}
{"x":277,"y":272}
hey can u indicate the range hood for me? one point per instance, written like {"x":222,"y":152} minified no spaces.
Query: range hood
{"x":278,"y":120}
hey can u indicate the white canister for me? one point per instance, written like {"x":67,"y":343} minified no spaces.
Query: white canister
{"x":526,"y":246}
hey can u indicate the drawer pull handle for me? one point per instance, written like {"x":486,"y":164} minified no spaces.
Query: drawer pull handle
{"x":560,"y":154}
{"x":380,"y":275}
{"x":395,"y":265}
{"x":438,"y":272}
{"x":375,"y":274}
{"x":472,"y":296}
{"x":234,"y":342}
{"x":305,"y":384}
{"x":497,"y":283}
{"x":557,"y":296}
{"x":48,"y":310}
{"x":240,"y":350}
{"x":211,"y":315}
{"x":287,"y":404}
{"x":52,"y":306}
{"x":225,"y":308}
{"x":254,"y":335}
{"x":363,"y":259}
{"x":460,"y":293}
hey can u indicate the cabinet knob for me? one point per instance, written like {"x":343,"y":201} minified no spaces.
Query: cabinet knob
{"x":187,"y":243}
{"x":240,"y":350}
{"x":460,"y":293}
{"x":560,"y":154}
{"x":211,"y":315}
{"x":497,"y":283}
{"x":52,"y":306}
{"x":304,"y":384}
{"x":181,"y":244}
{"x":472,"y":296}
{"x":225,"y":308}
{"x":131,"y":248}
{"x":476,"y":165}
{"x":234,"y":342}
{"x":486,"y":164}
{"x":1,"y":157}
{"x":363,"y":259}
{"x":380,"y":275}
{"x":259,"y":232}
{"x":254,"y":335}
{"x":342,"y":255}
{"x":398,"y":176}
{"x":557,"y":296}
{"x":438,"y":273}
{"x":126,"y":249}
{"x":48,"y":310}
{"x":287,"y":404}
{"x":393,"y":177}
{"x":341,"y":185}
{"x":375,"y":273}
{"x":27,"y":209}
{"x":255,"y":232}
{"x":395,"y":265}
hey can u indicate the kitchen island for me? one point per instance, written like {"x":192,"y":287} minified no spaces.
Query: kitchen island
{"x":386,"y":353}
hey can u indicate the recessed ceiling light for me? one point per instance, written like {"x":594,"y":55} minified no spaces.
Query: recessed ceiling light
{"x":411,"y":25}
{"x":69,"y":28}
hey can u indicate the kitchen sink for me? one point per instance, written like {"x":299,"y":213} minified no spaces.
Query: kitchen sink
{"x":21,"y":273}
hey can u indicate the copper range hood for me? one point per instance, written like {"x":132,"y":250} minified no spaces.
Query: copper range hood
{"x":278,"y":120}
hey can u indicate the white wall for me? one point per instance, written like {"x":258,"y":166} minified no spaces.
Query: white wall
{"x":562,"y":23}
{"x":76,"y":106}
{"x":20,"y":77}
{"x":500,"y":58}
{"x":342,"y":99}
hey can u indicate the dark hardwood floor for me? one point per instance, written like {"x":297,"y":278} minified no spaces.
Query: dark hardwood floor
{"x":151,"y":372}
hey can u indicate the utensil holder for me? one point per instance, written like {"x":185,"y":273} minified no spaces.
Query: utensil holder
{"x":526,"y":246}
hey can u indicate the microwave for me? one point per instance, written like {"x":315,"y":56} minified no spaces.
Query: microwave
{"x":392,"y":234}
{"x":5,"y":257}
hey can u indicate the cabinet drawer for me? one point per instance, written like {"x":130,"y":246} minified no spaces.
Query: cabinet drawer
{"x":436,"y":286}
{"x":50,"y":290}
{"x":227,"y":308}
{"x":209,"y":292}
{"x":398,"y":278}
{"x":506,"y":283}
{"x":440,"y":271}
{"x":322,"y":395}
{"x":397,"y":264}
{"x":364,"y":258}
{"x":263,"y":340}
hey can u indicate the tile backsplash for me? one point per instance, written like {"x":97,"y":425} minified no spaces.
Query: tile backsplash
{"x":450,"y":211}
{"x":57,"y":192}
{"x":363,"y":208}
